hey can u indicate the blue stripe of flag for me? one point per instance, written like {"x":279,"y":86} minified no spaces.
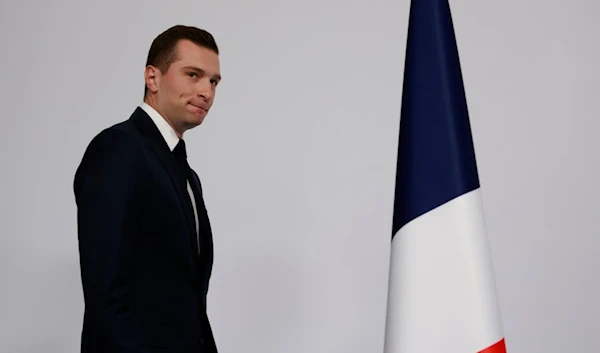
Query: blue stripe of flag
{"x":436,"y":159}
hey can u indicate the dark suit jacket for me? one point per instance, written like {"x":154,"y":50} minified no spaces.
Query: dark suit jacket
{"x":144,"y":283}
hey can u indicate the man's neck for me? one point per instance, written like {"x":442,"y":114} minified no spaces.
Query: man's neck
{"x":151,"y":102}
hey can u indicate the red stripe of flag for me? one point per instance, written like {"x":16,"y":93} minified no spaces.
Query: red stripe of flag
{"x":499,"y":347}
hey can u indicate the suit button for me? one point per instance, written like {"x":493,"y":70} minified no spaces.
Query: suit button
{"x":201,"y":341}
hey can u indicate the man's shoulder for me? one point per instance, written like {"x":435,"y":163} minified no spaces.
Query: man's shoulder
{"x":125,"y":128}
{"x":125,"y":131}
{"x":122,"y":133}
{"x":116,"y":149}
{"x":121,"y":140}
{"x":137,"y":127}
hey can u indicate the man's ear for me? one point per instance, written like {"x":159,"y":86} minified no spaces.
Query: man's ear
{"x":152,"y":77}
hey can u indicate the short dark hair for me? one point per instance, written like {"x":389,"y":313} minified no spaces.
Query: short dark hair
{"x":163,"y":49}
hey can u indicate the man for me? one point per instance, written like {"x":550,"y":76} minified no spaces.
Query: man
{"x":145,"y":241}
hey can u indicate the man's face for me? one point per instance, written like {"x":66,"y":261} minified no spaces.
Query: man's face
{"x":185,"y":92}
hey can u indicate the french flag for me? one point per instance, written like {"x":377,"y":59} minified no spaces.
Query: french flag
{"x":442,"y":295}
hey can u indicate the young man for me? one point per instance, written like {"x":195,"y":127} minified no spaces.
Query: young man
{"x":145,"y":240}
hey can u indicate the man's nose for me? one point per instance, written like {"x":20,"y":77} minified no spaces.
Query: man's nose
{"x":205,"y":89}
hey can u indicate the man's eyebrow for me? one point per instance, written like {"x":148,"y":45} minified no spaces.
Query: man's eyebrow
{"x":199,"y":70}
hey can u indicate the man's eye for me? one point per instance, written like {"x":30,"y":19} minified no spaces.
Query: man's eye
{"x":192,"y":74}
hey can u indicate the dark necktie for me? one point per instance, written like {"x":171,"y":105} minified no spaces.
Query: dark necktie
{"x":181,"y":157}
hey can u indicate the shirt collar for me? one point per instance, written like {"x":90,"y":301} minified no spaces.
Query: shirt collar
{"x":163,"y":126}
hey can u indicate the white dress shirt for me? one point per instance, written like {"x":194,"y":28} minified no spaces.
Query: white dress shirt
{"x":171,"y":139}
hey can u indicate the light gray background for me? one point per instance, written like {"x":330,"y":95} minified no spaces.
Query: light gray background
{"x":297,"y":160}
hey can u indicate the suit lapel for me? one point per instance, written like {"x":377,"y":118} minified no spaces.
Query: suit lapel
{"x":204,"y":230}
{"x":165,"y":156}
{"x":168,"y":161}
{"x":197,"y":190}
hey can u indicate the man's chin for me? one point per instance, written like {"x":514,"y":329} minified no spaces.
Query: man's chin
{"x":195,"y":116}
{"x":195,"y":120}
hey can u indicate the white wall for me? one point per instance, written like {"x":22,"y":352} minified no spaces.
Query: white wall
{"x":298,"y":157}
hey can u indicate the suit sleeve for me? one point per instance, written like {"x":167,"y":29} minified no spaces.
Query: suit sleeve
{"x":108,"y":186}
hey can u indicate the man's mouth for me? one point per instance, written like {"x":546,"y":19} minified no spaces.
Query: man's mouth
{"x":199,"y":107}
